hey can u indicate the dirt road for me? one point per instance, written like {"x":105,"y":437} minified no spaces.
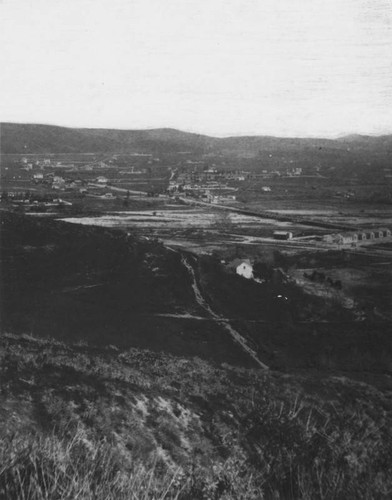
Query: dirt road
{"x":236,"y":336}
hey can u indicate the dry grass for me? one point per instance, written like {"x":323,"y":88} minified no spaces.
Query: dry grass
{"x":83,"y":423}
{"x":51,"y":467}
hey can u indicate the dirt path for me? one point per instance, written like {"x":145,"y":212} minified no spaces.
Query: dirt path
{"x":236,"y":336}
{"x":115,"y":188}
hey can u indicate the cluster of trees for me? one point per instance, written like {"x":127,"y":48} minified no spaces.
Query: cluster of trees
{"x":322,"y":278}
{"x":28,"y":195}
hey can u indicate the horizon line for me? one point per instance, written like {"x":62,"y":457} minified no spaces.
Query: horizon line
{"x":332,"y":137}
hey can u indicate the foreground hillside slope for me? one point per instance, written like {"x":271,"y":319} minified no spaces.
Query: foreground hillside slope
{"x":103,"y":286}
{"x":79,"y":422}
{"x":115,"y":382}
{"x":106,"y":286}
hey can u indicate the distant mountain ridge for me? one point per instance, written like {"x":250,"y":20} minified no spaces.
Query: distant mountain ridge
{"x":18,"y":138}
{"x":35,"y":138}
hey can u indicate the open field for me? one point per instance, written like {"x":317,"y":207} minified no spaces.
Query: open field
{"x":185,"y":225}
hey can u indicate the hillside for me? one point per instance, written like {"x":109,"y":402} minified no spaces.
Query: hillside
{"x":57,"y":275}
{"x":115,"y":382}
{"x":107,"y":423}
{"x":30,"y":138}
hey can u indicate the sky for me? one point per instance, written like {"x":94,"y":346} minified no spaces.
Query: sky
{"x":219,"y":67}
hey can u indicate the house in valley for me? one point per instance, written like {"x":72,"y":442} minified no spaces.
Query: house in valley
{"x":242,"y":267}
{"x":361,"y":236}
{"x":282,"y":235}
{"x":369,"y":235}
{"x":101,"y":180}
{"x":386,"y":232}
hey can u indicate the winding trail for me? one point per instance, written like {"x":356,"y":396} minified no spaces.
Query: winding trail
{"x":236,"y":336}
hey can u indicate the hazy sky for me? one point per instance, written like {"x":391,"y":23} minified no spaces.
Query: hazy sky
{"x":221,"y":67}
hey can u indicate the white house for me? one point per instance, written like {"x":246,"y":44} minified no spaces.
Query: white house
{"x":345,"y":238}
{"x":369,"y":235}
{"x":101,"y":180}
{"x":361,"y":236}
{"x":58,"y":182}
{"x":242,"y":267}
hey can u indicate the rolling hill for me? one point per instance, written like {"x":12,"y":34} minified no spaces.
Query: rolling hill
{"x":32,"y":138}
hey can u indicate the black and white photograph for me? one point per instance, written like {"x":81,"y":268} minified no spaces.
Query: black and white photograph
{"x":195,"y":249}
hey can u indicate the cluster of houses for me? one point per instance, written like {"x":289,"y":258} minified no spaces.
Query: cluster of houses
{"x":270,"y":174}
{"x":211,"y":192}
{"x":293,"y":172}
{"x":351,"y":238}
{"x":46,"y":162}
{"x":197,"y":176}
{"x":196,"y":181}
{"x":58,"y":182}
{"x":31,"y":204}
{"x":209,"y":185}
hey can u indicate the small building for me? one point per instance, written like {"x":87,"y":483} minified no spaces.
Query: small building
{"x":361,"y":236}
{"x":242,"y":267}
{"x":328,"y":238}
{"x":339,"y":239}
{"x":369,"y":235}
{"x":346,"y":238}
{"x":282,"y":235}
{"x":58,"y":182}
{"x":386,"y":233}
{"x":378,"y":233}
{"x":101,"y":180}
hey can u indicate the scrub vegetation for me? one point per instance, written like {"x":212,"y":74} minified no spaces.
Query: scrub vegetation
{"x":109,"y":423}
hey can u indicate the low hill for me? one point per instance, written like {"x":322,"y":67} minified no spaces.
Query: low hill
{"x":27,"y":139}
{"x":32,"y":138}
